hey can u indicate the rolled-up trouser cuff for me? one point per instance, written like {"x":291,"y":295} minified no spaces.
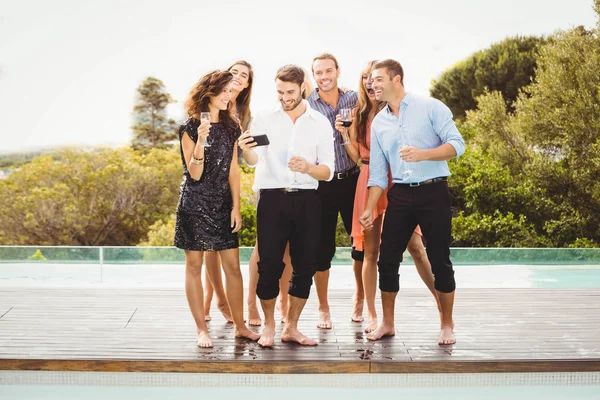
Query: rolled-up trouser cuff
{"x":300,"y":287}
{"x":358,"y":255}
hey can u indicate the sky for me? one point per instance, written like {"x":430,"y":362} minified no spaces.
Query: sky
{"x":69,"y":68}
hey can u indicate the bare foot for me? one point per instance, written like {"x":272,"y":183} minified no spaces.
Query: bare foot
{"x":294,"y":335}
{"x":282,"y":308}
{"x":324,"y":320}
{"x":358,"y":309}
{"x":268,"y":336}
{"x":371,"y":325}
{"x":381,"y":331}
{"x":253,"y":316}
{"x":447,"y":335}
{"x":203,"y":340}
{"x":207,"y":316}
{"x":246,"y":334}
{"x":224,"y":308}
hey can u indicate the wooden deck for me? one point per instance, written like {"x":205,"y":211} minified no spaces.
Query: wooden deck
{"x":151,"y":330}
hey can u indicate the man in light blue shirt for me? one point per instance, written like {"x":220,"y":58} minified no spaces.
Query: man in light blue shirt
{"x":413,"y":136}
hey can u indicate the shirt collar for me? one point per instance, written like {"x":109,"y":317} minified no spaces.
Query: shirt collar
{"x":315,"y":94}
{"x":406,"y":100}
{"x":310,"y":112}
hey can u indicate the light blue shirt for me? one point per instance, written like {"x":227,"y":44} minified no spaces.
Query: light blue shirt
{"x":423,"y":122}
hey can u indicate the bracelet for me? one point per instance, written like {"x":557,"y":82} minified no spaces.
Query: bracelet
{"x":197,"y":161}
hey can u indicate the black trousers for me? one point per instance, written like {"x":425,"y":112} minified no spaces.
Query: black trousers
{"x":337,"y":196}
{"x":430,"y":207}
{"x":283,"y":217}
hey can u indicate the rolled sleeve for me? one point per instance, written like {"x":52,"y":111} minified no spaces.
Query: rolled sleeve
{"x":325,"y":150}
{"x":445,"y":128}
{"x":378,"y":165}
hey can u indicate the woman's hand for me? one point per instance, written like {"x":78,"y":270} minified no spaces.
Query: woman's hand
{"x":236,"y":220}
{"x":246,"y":141}
{"x":203,"y":132}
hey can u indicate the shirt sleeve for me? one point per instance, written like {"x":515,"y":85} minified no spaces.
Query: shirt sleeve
{"x":445,"y":128}
{"x":378,"y":165}
{"x":258,"y":126}
{"x":325,"y":151}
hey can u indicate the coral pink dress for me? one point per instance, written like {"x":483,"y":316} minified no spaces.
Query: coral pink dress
{"x":362,"y":193}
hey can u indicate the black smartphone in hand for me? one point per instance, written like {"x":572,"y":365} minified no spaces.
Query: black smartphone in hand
{"x":261,"y":140}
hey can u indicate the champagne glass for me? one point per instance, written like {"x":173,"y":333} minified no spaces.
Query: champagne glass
{"x":205,"y":118}
{"x":346,"y":115}
{"x":408,"y":167}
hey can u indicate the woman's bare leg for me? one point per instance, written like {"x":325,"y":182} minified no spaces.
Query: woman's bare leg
{"x":213,"y":269}
{"x":369,"y":272}
{"x":235,"y":292}
{"x":359,"y":295}
{"x":194,"y":295}
{"x":253,"y":315}
{"x":284,"y":285}
{"x":419,"y":255}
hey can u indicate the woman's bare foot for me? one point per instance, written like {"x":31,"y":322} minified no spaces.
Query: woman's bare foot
{"x":324,"y":320}
{"x":224,"y":308}
{"x":294,"y":335}
{"x":358,"y":309}
{"x":371,"y":325}
{"x":246,"y":334}
{"x":253,"y":316}
{"x":447,"y":335}
{"x":381,"y":331}
{"x":282,"y":308}
{"x":203,"y":340}
{"x":268,"y":336}
{"x":207,"y":316}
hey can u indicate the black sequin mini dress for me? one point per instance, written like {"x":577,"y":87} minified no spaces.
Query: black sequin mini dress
{"x":203,"y":217}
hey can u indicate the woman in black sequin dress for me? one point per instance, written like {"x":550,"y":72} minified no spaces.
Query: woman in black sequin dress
{"x":208,"y":212}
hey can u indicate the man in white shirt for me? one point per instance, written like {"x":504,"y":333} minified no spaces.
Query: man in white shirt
{"x":288,"y":170}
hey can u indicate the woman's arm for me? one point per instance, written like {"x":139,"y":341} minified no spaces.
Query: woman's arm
{"x":234,"y":185}
{"x":193,"y":153}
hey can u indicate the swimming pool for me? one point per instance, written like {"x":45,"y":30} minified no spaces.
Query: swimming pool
{"x":117,"y":386}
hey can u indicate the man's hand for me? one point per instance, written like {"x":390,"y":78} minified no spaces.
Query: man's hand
{"x":299,"y":164}
{"x":412,"y":154}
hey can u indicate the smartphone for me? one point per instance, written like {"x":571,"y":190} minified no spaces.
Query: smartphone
{"x":261,"y":140}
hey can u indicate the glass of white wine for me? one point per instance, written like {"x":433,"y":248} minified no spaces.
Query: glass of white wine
{"x":205,"y":119}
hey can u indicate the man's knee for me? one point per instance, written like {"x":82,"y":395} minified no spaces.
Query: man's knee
{"x":389,"y":279}
{"x":444,"y":279}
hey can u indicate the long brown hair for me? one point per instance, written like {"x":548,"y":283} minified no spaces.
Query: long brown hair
{"x":242,"y":101}
{"x":210,"y":85}
{"x":364,"y":107}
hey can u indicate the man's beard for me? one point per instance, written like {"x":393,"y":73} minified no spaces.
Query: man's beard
{"x":293,"y":106}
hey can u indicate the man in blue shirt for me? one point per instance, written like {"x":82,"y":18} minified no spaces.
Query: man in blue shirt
{"x":337,"y":195}
{"x":413,"y":136}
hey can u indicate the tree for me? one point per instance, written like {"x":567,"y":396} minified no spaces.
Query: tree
{"x":104,"y":198}
{"x":505,"y":67}
{"x":540,"y":163}
{"x":152,"y":127}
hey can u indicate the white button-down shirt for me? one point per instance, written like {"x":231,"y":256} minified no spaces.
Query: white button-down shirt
{"x":310,"y":137}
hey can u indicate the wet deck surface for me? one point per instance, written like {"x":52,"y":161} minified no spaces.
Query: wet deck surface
{"x":152,"y":330}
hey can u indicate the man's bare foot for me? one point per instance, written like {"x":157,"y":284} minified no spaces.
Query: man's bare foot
{"x":294,"y":335}
{"x":358,"y":309}
{"x":246,"y":333}
{"x":203,"y":340}
{"x":371,"y":325}
{"x":268,"y":336}
{"x":381,"y":331}
{"x":447,"y":335}
{"x":224,"y":308}
{"x":253,"y":316}
{"x":324,"y":320}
